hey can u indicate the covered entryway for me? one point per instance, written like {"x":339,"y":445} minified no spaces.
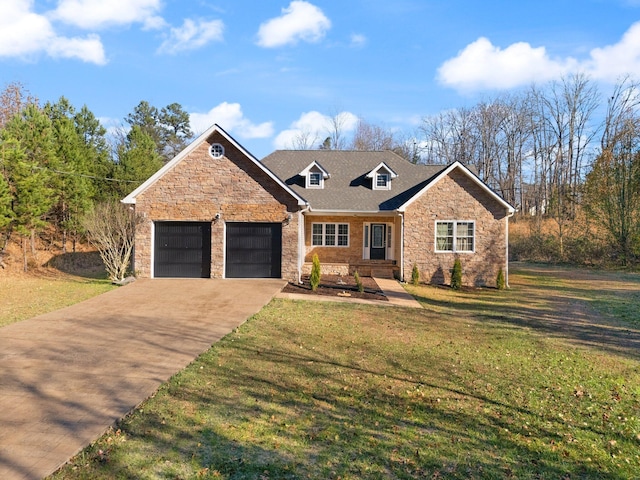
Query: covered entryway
{"x":253,"y":250}
{"x":182,"y":250}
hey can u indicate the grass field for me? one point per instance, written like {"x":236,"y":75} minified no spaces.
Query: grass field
{"x":541,"y":381}
{"x":26,"y":296}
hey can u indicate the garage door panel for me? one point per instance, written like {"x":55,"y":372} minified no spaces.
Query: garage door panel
{"x":253,"y":250}
{"x":182,"y":249}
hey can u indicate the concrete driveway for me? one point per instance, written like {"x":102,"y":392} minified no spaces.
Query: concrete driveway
{"x":68,"y":375}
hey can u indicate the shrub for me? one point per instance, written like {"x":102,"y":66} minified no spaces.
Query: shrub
{"x":415,"y":275}
{"x":456,"y":275}
{"x":500,"y":283}
{"x":356,"y":277}
{"x":314,"y":278}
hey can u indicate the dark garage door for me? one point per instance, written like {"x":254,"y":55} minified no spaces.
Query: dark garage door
{"x":254,"y":250}
{"x":182,"y":249}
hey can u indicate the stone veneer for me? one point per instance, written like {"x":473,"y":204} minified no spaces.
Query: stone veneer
{"x":456,"y":197}
{"x":199,"y":186}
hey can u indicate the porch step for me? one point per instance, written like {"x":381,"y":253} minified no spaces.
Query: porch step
{"x":382,"y":272}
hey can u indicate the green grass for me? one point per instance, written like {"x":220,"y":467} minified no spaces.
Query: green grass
{"x":24,"y":297}
{"x":530,"y":382}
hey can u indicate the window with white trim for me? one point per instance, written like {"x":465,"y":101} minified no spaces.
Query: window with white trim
{"x":330,"y":234}
{"x":216,"y":150}
{"x":315,"y":180}
{"x":382,"y":181}
{"x":455,"y":236}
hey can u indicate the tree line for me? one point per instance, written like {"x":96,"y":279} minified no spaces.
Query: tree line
{"x":57,"y":162}
{"x":560,"y":152}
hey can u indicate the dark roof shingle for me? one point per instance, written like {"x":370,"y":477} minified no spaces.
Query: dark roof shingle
{"x":348,"y":189}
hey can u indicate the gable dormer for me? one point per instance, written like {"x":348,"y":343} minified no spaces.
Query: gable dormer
{"x":381,"y":177}
{"x":314,"y":175}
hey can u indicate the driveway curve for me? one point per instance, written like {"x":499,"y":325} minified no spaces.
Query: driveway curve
{"x":66,"y":376}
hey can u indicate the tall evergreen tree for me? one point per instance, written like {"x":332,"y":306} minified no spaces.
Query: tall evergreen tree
{"x":137,"y":160}
{"x":168,"y":128}
{"x":33,"y":197}
{"x":74,"y":186}
{"x":96,"y":152}
{"x":6,"y":212}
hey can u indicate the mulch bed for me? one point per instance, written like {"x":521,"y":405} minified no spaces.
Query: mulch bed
{"x":332,"y":285}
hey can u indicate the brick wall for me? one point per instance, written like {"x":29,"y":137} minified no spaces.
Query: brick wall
{"x":456,"y":197}
{"x":352,"y":253}
{"x":199,"y":187}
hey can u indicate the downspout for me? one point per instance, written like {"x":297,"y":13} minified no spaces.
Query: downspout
{"x":301,"y":252}
{"x":506,"y":276}
{"x":401,"y":215}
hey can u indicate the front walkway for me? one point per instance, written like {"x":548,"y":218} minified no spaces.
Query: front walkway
{"x":68,"y":375}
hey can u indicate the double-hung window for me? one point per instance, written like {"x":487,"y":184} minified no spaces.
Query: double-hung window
{"x":330,"y":234}
{"x":382,"y":181}
{"x":455,"y":236}
{"x":315,"y":179}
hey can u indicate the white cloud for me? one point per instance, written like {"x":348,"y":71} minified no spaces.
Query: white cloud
{"x":299,"y":21}
{"x":311,"y":129}
{"x":231,"y":118}
{"x":24,"y":33}
{"x":358,"y":40}
{"x":89,"y":49}
{"x":91,"y":14}
{"x":481,"y":65}
{"x":191,"y":35}
{"x":612,"y":61}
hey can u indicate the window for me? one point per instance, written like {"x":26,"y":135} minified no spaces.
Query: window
{"x":330,"y":234}
{"x":382,"y":181}
{"x":216,"y":150}
{"x":455,"y":236}
{"x":315,"y":179}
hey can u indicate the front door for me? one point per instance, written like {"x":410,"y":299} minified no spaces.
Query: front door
{"x":378,"y":241}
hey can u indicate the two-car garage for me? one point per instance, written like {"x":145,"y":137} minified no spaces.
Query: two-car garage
{"x":251,"y":249}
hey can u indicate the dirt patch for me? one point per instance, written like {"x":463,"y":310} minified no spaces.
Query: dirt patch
{"x":337,"y":285}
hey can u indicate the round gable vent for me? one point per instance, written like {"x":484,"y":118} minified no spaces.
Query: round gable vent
{"x":216,"y":150}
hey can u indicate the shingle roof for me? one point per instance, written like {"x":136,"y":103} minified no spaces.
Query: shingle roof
{"x":348,"y":189}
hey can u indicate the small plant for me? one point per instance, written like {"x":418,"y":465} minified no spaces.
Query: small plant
{"x":415,"y":275}
{"x":500,"y":283}
{"x":356,"y":277}
{"x":456,"y":275}
{"x":314,"y":278}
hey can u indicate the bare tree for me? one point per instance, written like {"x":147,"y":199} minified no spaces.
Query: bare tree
{"x":12,"y":100}
{"x":370,"y":137}
{"x":613,"y":185}
{"x":111,"y":229}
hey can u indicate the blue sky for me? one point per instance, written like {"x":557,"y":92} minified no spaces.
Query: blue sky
{"x":268,"y":70}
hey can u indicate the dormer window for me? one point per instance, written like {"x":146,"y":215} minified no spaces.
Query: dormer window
{"x":315,"y":180}
{"x":382,"y":181}
{"x":314,"y":175}
{"x":381,"y":177}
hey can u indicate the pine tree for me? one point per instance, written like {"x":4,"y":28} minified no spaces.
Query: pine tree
{"x":29,"y":152}
{"x":137,"y":160}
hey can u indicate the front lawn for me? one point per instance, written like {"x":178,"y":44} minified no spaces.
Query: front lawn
{"x":540,"y":381}
{"x":25,"y":296}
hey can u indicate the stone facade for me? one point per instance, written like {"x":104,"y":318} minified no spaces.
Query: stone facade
{"x":456,"y":197}
{"x":199,"y":187}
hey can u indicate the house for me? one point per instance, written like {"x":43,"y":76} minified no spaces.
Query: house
{"x":217,"y":211}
